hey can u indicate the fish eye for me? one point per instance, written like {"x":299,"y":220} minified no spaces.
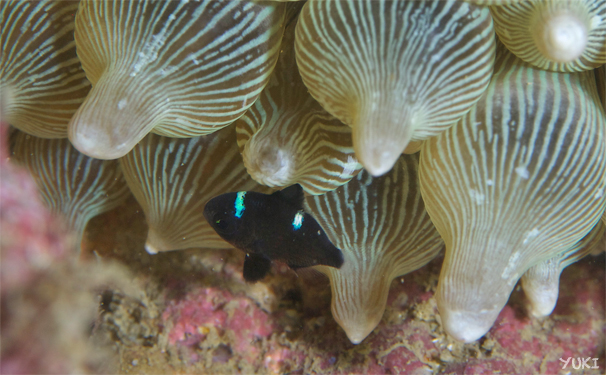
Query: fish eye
{"x":222,"y":224}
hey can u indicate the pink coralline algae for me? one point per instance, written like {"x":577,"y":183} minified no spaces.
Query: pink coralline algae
{"x":213,"y":312}
{"x":194,"y":316}
{"x":409,"y":339}
{"x":249,"y":323}
{"x":30,"y":236}
{"x":47,"y":300}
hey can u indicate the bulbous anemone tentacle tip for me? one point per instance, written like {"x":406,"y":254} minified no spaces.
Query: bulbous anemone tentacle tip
{"x":467,"y":326}
{"x":379,"y":156}
{"x":150,"y":242}
{"x":563,"y":37}
{"x":380,"y":136}
{"x":358,"y":328}
{"x":542,"y":281}
{"x":154,"y":242}
{"x":116,"y":115}
{"x":542,"y":303}
{"x":357,"y":335}
{"x":558,"y":36}
{"x":377,"y":162}
{"x":158,"y":241}
{"x":101,"y":143}
{"x":149,"y":247}
{"x":269,"y":165}
{"x":360,"y":311}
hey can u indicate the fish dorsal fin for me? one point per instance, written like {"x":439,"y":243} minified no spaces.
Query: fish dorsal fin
{"x":292,"y":194}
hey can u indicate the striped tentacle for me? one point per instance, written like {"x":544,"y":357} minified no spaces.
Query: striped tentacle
{"x":494,"y":2}
{"x":286,"y":137}
{"x":72,"y":184}
{"x":173,"y":178}
{"x":600,"y":79}
{"x":179,"y":69}
{"x":381,"y":226}
{"x":541,"y":283}
{"x":518,"y":180}
{"x":42,"y":83}
{"x":561,"y":36}
{"x":395,"y":71}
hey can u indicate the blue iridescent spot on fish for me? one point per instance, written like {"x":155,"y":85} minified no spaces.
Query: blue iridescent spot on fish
{"x":239,"y":205}
{"x":275,"y":227}
{"x":298,"y":221}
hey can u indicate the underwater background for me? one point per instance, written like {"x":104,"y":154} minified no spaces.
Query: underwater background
{"x":165,"y":168}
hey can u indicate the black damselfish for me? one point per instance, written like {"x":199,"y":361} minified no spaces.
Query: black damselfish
{"x":271,"y":227}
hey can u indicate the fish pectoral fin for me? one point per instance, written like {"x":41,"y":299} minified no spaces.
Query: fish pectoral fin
{"x":293,"y":194}
{"x":255,"y":267}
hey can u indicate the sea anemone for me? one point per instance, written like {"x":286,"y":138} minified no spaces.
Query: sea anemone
{"x":562,"y":36}
{"x":179,"y":69}
{"x":42,"y":83}
{"x":395,"y":71}
{"x":520,"y":179}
